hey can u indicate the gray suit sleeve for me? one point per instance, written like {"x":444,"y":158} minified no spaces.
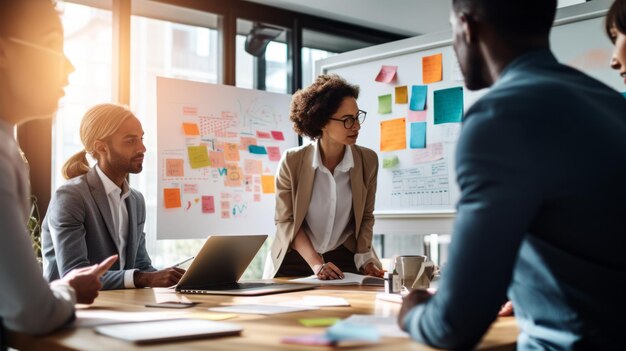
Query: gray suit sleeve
{"x":500,"y":193}
{"x":66,"y":218}
{"x":143,"y":261}
{"x":27,"y":304}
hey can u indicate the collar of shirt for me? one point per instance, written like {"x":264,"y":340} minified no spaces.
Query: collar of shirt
{"x":110,"y":187}
{"x":346,"y":163}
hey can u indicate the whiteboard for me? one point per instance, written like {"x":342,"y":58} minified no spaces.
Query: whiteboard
{"x":218,"y":149}
{"x":578,"y":39}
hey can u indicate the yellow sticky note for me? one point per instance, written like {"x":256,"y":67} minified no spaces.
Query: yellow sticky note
{"x":210,"y":316}
{"x":267,"y":183}
{"x":402,"y":96}
{"x":319,"y":322}
{"x":432,"y":68}
{"x":198,"y":156}
{"x":171,"y":197}
{"x":393,"y":134}
{"x":191,"y":129}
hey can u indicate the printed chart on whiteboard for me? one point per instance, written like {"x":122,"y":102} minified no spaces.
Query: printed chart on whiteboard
{"x":218,"y":149}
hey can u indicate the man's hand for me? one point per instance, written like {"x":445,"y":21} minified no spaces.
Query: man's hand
{"x":372,"y":269}
{"x":413,"y":299}
{"x":506,"y":309}
{"x":163,"y":278}
{"x":327,"y":271}
{"x":86,"y":280}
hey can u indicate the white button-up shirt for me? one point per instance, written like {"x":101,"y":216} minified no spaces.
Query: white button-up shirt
{"x":330,"y":208}
{"x":119,"y":212}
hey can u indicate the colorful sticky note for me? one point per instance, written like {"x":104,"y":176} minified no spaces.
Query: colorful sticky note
{"x":386,"y":74}
{"x":308,"y":339}
{"x":402,"y":95}
{"x":171,"y":198}
{"x":257,"y":150}
{"x":393,"y":134}
{"x":233,"y":175}
{"x":418,"y":97}
{"x":384,"y":104}
{"x":277,"y":135}
{"x":252,"y":166}
{"x":190,"y":188}
{"x":174,"y":167}
{"x":191,"y":129}
{"x":217,"y":159}
{"x":245,"y":142}
{"x":208,"y":204}
{"x":198,"y":156}
{"x":318,"y":322}
{"x":231,"y":152}
{"x":418,"y":135}
{"x":432,"y":152}
{"x":267,"y":183}
{"x":263,"y":135}
{"x":390,"y":162}
{"x":190,"y":110}
{"x":448,"y":105}
{"x":417,"y":116}
{"x":273,"y":152}
{"x":431,"y":68}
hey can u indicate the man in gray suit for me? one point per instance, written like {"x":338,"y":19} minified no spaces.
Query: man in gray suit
{"x":96,"y":213}
{"x":541,"y":163}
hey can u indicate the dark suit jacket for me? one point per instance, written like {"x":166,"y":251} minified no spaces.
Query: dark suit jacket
{"x":78,"y":231}
{"x":541,"y":164}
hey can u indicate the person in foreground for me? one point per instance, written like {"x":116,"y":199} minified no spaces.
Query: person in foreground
{"x":616,"y":30}
{"x":33,"y":72}
{"x":96,"y":214}
{"x":325,"y":191}
{"x":541,"y":164}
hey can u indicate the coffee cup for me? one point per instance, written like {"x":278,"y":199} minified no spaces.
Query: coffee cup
{"x":415,"y":271}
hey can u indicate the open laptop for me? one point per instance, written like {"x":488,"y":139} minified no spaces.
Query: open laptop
{"x":216,"y":269}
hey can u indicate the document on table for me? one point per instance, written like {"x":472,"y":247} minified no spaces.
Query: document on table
{"x":86,"y":318}
{"x":349,"y":279}
{"x":261,"y":309}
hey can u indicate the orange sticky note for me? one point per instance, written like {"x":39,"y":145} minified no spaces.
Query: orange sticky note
{"x":267,"y":183}
{"x":402,"y":96}
{"x":191,"y":129}
{"x":171,"y":198}
{"x":231,"y":152}
{"x":233,"y":175}
{"x":217,"y":159}
{"x":174,"y":167}
{"x":393,"y":134}
{"x":432,"y":68}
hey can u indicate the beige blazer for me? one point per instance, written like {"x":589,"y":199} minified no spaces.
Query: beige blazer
{"x":294,"y":184}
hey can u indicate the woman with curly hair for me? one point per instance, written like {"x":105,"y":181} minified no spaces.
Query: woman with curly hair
{"x":616,"y":30}
{"x":325,"y":191}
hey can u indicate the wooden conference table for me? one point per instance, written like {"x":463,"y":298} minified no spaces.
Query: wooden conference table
{"x":260,"y":332}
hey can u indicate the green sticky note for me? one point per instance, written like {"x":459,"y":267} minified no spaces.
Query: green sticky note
{"x":319,"y":322}
{"x":448,"y":105}
{"x":198,"y":156}
{"x":384,"y":104}
{"x":390,"y":162}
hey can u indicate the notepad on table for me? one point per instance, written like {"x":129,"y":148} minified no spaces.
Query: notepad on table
{"x":168,"y":330}
{"x":349,"y":279}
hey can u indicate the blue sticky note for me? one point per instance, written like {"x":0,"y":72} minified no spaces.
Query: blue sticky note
{"x":418,"y":135}
{"x":418,"y":97}
{"x":347,"y":331}
{"x":257,"y":150}
{"x":448,"y":105}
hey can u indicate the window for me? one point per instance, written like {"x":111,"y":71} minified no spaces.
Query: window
{"x":88,"y":44}
{"x":162,"y":48}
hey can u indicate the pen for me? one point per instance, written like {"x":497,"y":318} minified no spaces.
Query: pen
{"x":183,"y":261}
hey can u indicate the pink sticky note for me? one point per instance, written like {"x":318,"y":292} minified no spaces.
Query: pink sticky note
{"x":387,"y":74}
{"x":273,"y":152}
{"x":278,"y":135}
{"x":417,"y":116}
{"x":263,"y":135}
{"x":208,"y":204}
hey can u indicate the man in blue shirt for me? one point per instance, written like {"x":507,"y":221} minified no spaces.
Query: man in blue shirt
{"x":541,"y":163}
